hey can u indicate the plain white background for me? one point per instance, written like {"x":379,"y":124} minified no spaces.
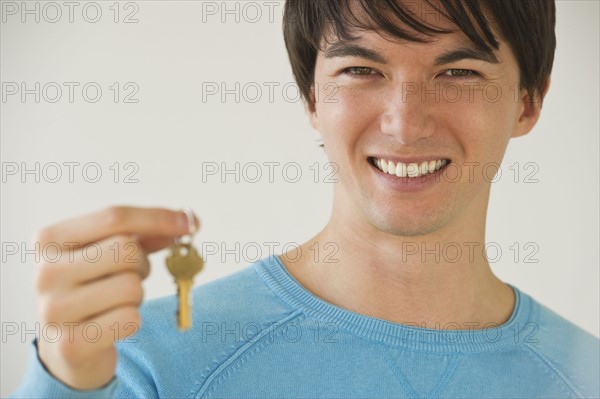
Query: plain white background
{"x":166,"y":61}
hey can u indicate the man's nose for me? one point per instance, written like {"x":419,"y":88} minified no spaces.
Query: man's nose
{"x":408,"y":114}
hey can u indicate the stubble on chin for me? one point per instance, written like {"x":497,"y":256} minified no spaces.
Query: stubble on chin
{"x":402,"y":223}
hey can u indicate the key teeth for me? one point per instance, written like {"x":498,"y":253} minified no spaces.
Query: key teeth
{"x":182,"y":326}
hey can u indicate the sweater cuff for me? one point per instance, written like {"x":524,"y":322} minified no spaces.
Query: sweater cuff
{"x":37,"y":382}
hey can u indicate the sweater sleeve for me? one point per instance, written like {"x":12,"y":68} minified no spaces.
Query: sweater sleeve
{"x":37,"y":382}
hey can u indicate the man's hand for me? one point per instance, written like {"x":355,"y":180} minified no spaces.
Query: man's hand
{"x":102,"y":287}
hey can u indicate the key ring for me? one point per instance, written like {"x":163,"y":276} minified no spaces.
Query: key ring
{"x":191,"y":228}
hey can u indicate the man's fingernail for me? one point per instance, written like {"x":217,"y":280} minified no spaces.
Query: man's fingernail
{"x":192,"y":220}
{"x":182,"y":222}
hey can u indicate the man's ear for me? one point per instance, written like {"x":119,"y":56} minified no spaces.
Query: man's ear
{"x":529,"y":111}
{"x":311,"y":109}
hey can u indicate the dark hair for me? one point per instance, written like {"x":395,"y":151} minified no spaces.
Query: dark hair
{"x":526,"y":25}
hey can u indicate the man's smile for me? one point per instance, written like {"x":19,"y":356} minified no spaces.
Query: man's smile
{"x":405,"y":177}
{"x":408,"y":169}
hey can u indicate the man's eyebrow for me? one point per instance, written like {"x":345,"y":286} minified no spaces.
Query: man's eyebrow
{"x":349,"y":49}
{"x":465,"y":53}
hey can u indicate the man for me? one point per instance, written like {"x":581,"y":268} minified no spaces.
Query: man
{"x":392,"y":315}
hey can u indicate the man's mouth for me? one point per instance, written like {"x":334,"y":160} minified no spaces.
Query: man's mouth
{"x":415,"y":169}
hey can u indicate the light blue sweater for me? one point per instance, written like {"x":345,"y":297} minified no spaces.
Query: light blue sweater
{"x":258,"y":333}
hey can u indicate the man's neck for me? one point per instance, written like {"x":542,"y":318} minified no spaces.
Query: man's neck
{"x":441,"y":283}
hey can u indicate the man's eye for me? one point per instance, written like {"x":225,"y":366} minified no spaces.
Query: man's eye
{"x":358,"y":71}
{"x":460,"y":73}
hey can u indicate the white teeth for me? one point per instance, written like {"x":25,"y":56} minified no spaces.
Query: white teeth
{"x":384,"y":166}
{"x":431,"y":166}
{"x":401,"y":169}
{"x":411,"y":170}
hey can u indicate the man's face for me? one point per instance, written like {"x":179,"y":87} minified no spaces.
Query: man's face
{"x":405,"y":101}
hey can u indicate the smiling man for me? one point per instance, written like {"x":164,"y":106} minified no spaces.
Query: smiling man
{"x":404,"y":114}
{"x":421,"y":98}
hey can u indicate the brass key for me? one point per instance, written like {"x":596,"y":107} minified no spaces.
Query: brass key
{"x":184,"y":263}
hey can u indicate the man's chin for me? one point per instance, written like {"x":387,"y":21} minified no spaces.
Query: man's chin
{"x":407,"y":225}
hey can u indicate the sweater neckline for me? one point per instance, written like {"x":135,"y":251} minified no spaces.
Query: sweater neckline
{"x":476,"y":339}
